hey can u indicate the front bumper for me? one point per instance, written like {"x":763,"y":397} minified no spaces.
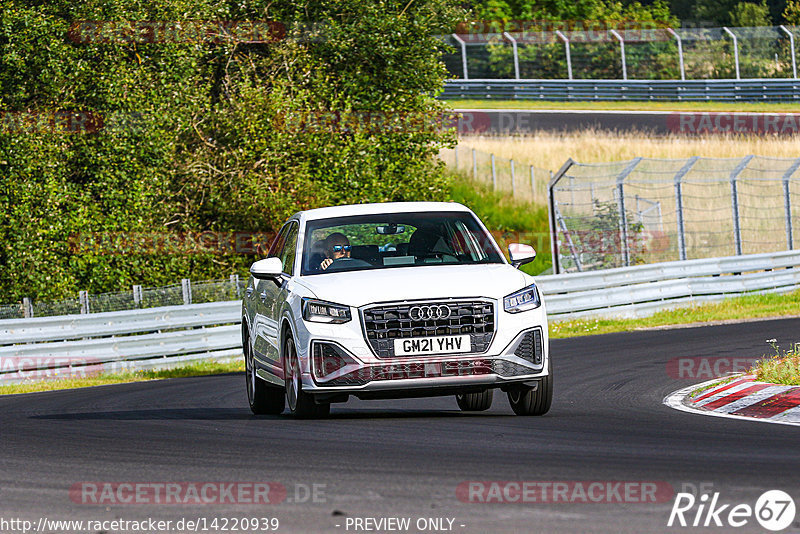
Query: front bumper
{"x":518,"y":353}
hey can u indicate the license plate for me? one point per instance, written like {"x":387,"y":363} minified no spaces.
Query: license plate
{"x":432,"y":345}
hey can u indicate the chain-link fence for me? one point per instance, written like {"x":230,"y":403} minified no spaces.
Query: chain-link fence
{"x":526,"y":183}
{"x":636,"y":54}
{"x":187,"y":292}
{"x":652,"y":210}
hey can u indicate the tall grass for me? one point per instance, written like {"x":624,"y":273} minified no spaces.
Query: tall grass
{"x":551,"y":150}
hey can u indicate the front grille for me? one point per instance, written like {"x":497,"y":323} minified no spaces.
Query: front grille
{"x":530,"y":348}
{"x":509,"y":369}
{"x":384,"y":324}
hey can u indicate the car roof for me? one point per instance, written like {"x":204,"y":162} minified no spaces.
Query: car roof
{"x":379,"y":208}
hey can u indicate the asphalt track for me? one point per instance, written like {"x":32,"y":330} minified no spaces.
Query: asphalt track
{"x":652,"y":123}
{"x":406,"y":458}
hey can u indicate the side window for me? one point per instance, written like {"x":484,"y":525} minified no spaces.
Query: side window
{"x":277,"y":245}
{"x":289,"y":251}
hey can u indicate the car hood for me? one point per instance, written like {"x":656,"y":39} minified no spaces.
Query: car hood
{"x":358,"y":288}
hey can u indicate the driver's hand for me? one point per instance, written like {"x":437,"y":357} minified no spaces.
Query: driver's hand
{"x":325,"y":263}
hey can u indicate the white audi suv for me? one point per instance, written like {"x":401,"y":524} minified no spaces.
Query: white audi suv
{"x":394,"y":300}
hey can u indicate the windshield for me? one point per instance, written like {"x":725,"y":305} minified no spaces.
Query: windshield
{"x":395,"y":240}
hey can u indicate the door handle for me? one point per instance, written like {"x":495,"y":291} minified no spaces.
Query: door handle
{"x":249,"y":292}
{"x":263,"y":296}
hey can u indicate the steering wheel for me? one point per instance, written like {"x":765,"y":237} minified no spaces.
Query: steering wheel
{"x":347,"y":263}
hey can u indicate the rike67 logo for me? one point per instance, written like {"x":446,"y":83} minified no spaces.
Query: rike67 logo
{"x":774,"y":510}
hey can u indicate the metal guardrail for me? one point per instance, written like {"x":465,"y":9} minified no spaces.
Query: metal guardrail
{"x":644,"y":289}
{"x":83,"y":345}
{"x":80,"y":345}
{"x":750,"y":90}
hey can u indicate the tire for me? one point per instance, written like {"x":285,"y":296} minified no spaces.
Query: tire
{"x":301,"y":404}
{"x":527,"y":401}
{"x":475,"y":402}
{"x":263,"y":399}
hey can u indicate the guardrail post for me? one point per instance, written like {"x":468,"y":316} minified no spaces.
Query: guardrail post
{"x":735,"y":50}
{"x":737,"y":231}
{"x":791,"y":44}
{"x":551,"y":206}
{"x":186,"y":288}
{"x":787,"y":202}
{"x":463,"y":55}
{"x":235,"y":282}
{"x":623,"y":218}
{"x":679,"y":205}
{"x":474,"y":165}
{"x":622,"y":52}
{"x":494,"y":175}
{"x":516,"y":56}
{"x":513,"y":185}
{"x":680,"y":51}
{"x":569,"y":55}
{"x":137,"y":296}
{"x":83,"y":297}
{"x":27,"y":308}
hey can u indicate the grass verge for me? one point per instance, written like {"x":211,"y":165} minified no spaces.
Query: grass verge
{"x":744,"y":307}
{"x":195,"y":369}
{"x":782,"y":368}
{"x":626,"y":106}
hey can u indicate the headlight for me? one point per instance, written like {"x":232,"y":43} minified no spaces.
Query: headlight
{"x":522,"y":300}
{"x":319,"y":311}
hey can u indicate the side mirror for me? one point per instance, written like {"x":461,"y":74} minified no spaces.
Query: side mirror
{"x":520,"y":254}
{"x":267,"y":268}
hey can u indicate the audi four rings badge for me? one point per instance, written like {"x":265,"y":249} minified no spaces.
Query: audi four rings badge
{"x":425,"y":313}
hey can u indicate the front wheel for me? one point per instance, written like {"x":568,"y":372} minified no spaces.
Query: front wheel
{"x":475,"y":402}
{"x":263,"y":399}
{"x":525,"y":400}
{"x":301,"y":404}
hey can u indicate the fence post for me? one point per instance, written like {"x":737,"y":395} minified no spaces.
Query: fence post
{"x":791,"y":44}
{"x":235,"y":282}
{"x":622,"y":52}
{"x":474,"y":165}
{"x":513,"y":187}
{"x":27,"y":308}
{"x":735,"y":49}
{"x":551,"y":206}
{"x":679,"y":205}
{"x":463,"y":55}
{"x":186,"y":287}
{"x":533,"y":182}
{"x":680,"y":51}
{"x":569,"y":55}
{"x":623,"y":219}
{"x":737,"y":231}
{"x":516,"y":56}
{"x":494,"y":175}
{"x":787,"y":202}
{"x":137,"y":296}
{"x":83,"y":296}
{"x":455,"y":156}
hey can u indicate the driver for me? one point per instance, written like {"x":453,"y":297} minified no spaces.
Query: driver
{"x":337,"y":246}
